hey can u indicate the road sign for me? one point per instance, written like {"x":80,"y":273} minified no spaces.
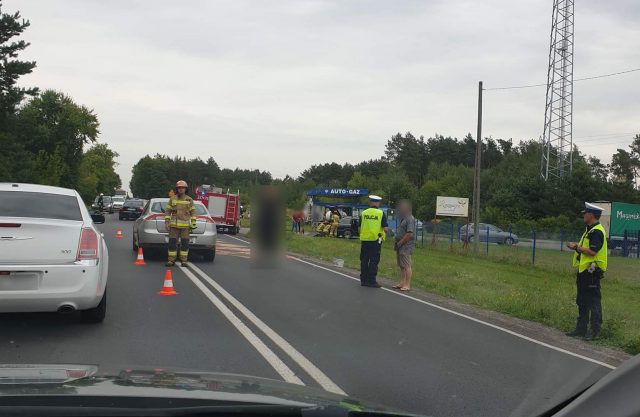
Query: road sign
{"x":452,"y":206}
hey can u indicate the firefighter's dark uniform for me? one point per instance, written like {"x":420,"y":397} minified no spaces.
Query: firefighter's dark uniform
{"x":372,"y":234}
{"x":180,"y":214}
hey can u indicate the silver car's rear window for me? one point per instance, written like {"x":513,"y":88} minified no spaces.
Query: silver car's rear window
{"x":158,"y":207}
{"x":39,"y":205}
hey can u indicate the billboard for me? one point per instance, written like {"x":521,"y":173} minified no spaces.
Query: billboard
{"x":452,"y":206}
{"x":624,"y":216}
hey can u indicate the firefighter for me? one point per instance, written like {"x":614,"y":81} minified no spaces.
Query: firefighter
{"x":180,"y":220}
{"x":335,"y":222}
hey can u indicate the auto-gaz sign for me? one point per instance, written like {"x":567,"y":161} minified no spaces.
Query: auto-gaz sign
{"x":339,"y":192}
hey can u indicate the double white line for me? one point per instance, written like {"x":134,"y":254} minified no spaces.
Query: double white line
{"x":285,"y":372}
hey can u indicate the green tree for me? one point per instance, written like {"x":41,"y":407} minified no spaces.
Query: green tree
{"x":149,"y":177}
{"x":97,"y":172}
{"x":635,"y":159}
{"x":52,"y":122}
{"x":409,"y":154}
{"x":622,"y":168}
{"x":11,"y":68}
{"x":16,"y":164}
{"x":598,"y":169}
{"x":395,"y":186}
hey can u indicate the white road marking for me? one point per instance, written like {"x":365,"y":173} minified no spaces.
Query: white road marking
{"x":511,"y":332}
{"x":281,"y":368}
{"x":237,"y":238}
{"x":325,"y":382}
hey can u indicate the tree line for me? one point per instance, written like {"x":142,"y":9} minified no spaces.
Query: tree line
{"x":155,"y":176}
{"x":512,"y":190}
{"x":420,"y":169}
{"x":46,"y":137}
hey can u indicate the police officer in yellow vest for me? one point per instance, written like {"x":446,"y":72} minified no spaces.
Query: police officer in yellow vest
{"x":180,"y":220}
{"x":590,"y":258}
{"x":373,"y":230}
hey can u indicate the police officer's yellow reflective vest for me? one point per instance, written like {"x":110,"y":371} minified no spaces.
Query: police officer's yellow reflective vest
{"x":601,"y":256}
{"x":371,"y":225}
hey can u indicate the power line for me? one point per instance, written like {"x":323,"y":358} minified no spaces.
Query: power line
{"x":606,"y":134}
{"x":577,"y":79}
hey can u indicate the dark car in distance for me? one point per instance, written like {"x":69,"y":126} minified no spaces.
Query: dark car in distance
{"x":132,"y":209}
{"x":348,"y":227}
{"x":107,"y":204}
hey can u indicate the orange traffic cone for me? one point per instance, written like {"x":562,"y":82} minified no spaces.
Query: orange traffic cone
{"x":140,"y":259}
{"x":119,"y":233}
{"x":167,"y":288}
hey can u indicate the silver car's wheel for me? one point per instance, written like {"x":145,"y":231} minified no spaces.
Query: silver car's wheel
{"x":210,"y":256}
{"x":509,"y":241}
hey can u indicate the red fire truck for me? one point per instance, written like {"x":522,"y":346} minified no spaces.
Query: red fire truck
{"x":223,"y":207}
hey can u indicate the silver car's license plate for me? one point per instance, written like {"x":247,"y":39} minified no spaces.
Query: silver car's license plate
{"x":192,"y":240}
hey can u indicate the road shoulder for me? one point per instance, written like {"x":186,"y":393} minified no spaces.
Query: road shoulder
{"x":526,"y":328}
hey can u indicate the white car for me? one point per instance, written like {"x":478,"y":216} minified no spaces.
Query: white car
{"x":52,"y":256}
{"x":117,"y":202}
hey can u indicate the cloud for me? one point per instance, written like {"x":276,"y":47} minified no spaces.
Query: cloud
{"x":279,"y":85}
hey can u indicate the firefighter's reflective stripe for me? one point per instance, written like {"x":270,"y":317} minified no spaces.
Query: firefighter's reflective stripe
{"x":180,"y":223}
{"x":172,"y":255}
{"x":184,"y":254}
{"x":175,"y":201}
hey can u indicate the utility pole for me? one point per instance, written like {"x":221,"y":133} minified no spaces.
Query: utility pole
{"x":476,"y":177}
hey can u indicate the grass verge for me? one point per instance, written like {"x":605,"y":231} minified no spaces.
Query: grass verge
{"x":506,"y":282}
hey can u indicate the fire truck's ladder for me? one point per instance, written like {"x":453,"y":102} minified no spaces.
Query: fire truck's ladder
{"x":232,"y":206}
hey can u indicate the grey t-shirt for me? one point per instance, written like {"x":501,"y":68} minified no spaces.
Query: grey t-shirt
{"x":407,"y":225}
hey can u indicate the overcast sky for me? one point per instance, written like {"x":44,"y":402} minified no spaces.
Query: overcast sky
{"x":281,"y":85}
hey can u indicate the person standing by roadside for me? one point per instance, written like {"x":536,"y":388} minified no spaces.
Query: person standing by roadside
{"x":404,"y":245}
{"x":335,"y":222}
{"x":298,"y":221}
{"x":180,"y":220}
{"x":373,"y":230}
{"x":591,"y":259}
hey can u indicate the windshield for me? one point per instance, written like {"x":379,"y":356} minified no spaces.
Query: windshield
{"x":159,"y":207}
{"x":134,"y":203}
{"x":378,"y":204}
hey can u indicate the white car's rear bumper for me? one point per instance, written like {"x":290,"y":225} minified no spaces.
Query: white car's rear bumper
{"x":36,"y":288}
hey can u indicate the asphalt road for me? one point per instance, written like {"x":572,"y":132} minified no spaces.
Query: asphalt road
{"x":304,"y":324}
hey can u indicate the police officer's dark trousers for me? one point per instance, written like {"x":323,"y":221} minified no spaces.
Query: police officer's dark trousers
{"x":369,"y":259}
{"x":588,"y":300}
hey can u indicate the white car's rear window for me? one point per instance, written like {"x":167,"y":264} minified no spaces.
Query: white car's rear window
{"x":39,"y":205}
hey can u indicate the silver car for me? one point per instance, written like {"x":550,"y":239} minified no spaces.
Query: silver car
{"x":52,"y":256}
{"x":494,"y":234}
{"x":149,"y":230}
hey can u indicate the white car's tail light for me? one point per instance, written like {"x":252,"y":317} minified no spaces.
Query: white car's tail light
{"x":155,"y":216}
{"x":207,"y":219}
{"x":88,"y":247}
